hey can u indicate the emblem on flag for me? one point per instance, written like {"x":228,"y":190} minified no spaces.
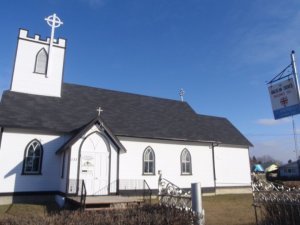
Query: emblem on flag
{"x":284,"y":101}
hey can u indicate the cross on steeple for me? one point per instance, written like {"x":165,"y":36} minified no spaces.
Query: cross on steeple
{"x":181,"y":93}
{"x":54,"y":22}
{"x":99,"y":110}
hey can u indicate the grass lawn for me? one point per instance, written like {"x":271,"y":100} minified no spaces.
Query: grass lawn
{"x":219,"y":210}
{"x":23,"y":210}
{"x":3,"y":209}
{"x":229,"y":210}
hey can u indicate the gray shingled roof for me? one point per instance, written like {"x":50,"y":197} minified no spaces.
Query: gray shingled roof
{"x":125,"y":114}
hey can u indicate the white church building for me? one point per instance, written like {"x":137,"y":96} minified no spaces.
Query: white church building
{"x":53,"y":135}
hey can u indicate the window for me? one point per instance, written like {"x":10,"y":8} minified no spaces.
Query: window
{"x":186,"y":162}
{"x":41,"y":62}
{"x":33,"y":158}
{"x":290,"y":170}
{"x":149,"y":161}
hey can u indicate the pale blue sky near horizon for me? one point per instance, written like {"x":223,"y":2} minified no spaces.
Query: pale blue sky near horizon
{"x":220,"y":52}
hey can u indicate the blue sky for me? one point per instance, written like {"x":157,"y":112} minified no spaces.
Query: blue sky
{"x":221,"y":53}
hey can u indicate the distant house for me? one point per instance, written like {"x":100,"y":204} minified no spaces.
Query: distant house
{"x":290,"y":171}
{"x":257,"y":168}
{"x":271,"y":168}
{"x":272,"y":172}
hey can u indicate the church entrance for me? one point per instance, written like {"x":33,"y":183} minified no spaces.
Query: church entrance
{"x":94,"y":164}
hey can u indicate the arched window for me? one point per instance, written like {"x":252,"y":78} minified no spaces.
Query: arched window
{"x":41,"y":62}
{"x":186,"y":162}
{"x":33,"y":158}
{"x":149,"y":161}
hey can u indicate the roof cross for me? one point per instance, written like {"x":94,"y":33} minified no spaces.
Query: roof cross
{"x":181,"y":93}
{"x":54,"y":22}
{"x":99,"y":110}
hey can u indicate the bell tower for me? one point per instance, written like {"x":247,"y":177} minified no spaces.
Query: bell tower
{"x":39,"y":63}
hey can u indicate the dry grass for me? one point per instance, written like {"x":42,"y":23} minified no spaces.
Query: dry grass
{"x":229,"y":209}
{"x":292,"y":184}
{"x":219,"y":210}
{"x":24,"y":209}
{"x":3,"y":209}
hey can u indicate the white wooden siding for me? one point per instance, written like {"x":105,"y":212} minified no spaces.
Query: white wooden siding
{"x":232,"y":166}
{"x":231,"y":162}
{"x":167,"y":159}
{"x":12,"y":150}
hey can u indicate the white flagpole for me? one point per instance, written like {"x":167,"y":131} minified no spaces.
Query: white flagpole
{"x":295,"y":138}
{"x":295,"y":71}
{"x":297,"y":87}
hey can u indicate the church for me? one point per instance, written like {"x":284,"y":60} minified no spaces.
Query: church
{"x":54,"y":135}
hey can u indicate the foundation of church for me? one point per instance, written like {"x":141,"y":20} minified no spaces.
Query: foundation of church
{"x":27,"y":199}
{"x":233,"y":190}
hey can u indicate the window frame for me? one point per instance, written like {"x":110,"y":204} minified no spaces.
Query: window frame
{"x":39,"y":170}
{"x":185,"y":162}
{"x":37,"y":59}
{"x":148,"y":149}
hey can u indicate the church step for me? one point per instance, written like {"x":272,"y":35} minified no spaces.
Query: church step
{"x":105,"y":202}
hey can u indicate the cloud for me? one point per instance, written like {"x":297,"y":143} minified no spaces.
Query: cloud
{"x":270,"y":39}
{"x":272,"y":122}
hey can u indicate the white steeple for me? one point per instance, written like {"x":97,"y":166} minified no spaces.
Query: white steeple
{"x":39,"y":63}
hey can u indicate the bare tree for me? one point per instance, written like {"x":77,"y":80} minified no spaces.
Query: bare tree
{"x":267,"y":159}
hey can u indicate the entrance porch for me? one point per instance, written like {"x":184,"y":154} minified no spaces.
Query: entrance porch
{"x":128,"y":192}
{"x":101,"y":202}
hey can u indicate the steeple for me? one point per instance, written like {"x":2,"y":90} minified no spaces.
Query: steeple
{"x":39,"y":63}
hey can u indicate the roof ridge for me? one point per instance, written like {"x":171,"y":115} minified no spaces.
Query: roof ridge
{"x":210,"y":116}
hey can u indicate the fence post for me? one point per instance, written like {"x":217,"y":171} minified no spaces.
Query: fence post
{"x":159,"y":186}
{"x":159,"y":181}
{"x":197,"y":202}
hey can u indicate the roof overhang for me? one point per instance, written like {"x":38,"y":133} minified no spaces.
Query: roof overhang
{"x":171,"y":139}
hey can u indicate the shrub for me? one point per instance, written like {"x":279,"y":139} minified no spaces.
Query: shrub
{"x":144,"y":215}
{"x":280,"y":214}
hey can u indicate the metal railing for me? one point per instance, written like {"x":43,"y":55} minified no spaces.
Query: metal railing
{"x":171,"y":195}
{"x":77,"y":192}
{"x":147,"y":191}
{"x":135,"y":187}
{"x":128,"y":187}
{"x":83,"y":195}
{"x":275,"y":203}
